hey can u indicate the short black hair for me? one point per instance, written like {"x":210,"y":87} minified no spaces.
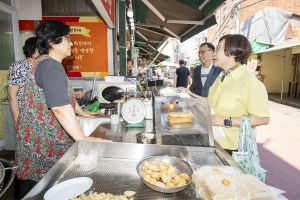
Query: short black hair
{"x":50,"y":31}
{"x":238,"y":46}
{"x":209,"y":45}
{"x":29,"y":47}
{"x":181,"y":62}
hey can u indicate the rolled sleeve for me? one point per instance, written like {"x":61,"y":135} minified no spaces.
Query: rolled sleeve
{"x":12,"y":73}
{"x":258,"y":104}
{"x":51,"y":77}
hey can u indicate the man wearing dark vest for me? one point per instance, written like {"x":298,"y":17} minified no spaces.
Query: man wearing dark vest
{"x":205,"y":75}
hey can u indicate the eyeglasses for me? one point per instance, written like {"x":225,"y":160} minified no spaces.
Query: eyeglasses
{"x":67,"y":37}
{"x":203,"y":51}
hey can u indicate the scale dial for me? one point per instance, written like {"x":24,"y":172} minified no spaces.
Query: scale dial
{"x":133,"y":111}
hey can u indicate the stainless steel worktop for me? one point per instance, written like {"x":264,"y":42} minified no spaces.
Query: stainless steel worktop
{"x":116,"y":167}
{"x":119,"y":133}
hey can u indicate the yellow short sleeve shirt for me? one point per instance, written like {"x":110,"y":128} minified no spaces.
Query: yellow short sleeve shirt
{"x":240,"y":94}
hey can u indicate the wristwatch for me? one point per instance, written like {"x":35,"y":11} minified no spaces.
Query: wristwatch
{"x":227,"y":122}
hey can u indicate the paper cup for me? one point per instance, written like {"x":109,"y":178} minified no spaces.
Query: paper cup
{"x":114,"y":119}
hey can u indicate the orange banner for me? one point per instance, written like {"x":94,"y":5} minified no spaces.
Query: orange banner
{"x":89,"y":50}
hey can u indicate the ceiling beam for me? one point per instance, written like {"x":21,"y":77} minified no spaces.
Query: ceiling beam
{"x":144,"y":37}
{"x":184,"y":22}
{"x":151,"y":7}
{"x":140,"y":34}
{"x":203,"y":4}
{"x":166,"y":29}
{"x":204,"y":20}
{"x":154,"y":41}
{"x":151,"y":31}
{"x":149,"y":25}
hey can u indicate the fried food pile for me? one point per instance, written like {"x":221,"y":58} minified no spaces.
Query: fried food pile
{"x":163,"y":175}
{"x":128,"y":195}
{"x":180,"y":117}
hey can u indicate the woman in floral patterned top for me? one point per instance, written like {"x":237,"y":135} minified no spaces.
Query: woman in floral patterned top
{"x":47,"y":125}
{"x":17,"y":74}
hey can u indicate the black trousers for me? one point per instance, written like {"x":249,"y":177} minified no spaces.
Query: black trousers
{"x":230,"y":151}
{"x":22,"y":187}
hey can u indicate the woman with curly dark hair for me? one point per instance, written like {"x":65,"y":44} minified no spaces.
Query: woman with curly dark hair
{"x":47,"y":125}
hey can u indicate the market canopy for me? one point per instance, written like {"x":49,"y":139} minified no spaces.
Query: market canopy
{"x":150,"y":55}
{"x":156,"y":20}
{"x":168,"y":63}
{"x":268,"y":26}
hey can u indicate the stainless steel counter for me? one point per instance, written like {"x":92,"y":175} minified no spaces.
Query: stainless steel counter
{"x":116,"y":167}
{"x":119,"y":133}
{"x":116,"y":164}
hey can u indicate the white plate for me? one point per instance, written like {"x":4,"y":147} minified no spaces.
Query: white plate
{"x":69,"y":189}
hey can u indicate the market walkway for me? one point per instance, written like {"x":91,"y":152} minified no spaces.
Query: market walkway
{"x":279,"y":149}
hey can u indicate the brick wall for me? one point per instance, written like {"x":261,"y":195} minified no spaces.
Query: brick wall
{"x":248,"y":9}
{"x":224,"y":28}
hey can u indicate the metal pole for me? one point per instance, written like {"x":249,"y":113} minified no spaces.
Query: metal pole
{"x":158,"y":54}
{"x":282,"y":84}
{"x":122,"y":36}
{"x":92,"y":96}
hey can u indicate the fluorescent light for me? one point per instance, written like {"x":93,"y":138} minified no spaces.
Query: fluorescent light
{"x":131,"y":20}
{"x":131,"y":24}
{"x":129,"y":12}
{"x":132,"y":28}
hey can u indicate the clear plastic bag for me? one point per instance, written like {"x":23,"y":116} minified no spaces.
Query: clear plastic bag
{"x":87,"y":161}
{"x":88,"y":125}
{"x":229,"y":183}
{"x":201,"y":191}
{"x":235,"y":186}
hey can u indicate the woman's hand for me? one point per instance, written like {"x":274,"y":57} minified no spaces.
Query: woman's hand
{"x":192,"y":94}
{"x":217,"y":120}
{"x":88,"y":114}
{"x":79,"y":94}
{"x":96,"y":139}
{"x":85,"y":113}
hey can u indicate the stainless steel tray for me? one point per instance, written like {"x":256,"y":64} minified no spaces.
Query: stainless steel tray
{"x":166,"y":126}
{"x":116,"y":169}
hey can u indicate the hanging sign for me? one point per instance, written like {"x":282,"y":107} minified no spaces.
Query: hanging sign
{"x":252,"y":63}
{"x":135,"y":52}
{"x":89,"y":50}
{"x":106,"y":8}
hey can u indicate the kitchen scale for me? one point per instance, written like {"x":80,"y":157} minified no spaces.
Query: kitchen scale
{"x":133,"y":113}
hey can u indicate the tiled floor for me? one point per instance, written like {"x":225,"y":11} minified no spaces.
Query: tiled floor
{"x":278,"y":144}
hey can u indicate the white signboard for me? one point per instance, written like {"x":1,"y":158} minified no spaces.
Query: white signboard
{"x":135,"y":52}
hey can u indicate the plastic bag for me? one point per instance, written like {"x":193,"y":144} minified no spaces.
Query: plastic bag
{"x":87,"y":162}
{"x":88,"y":125}
{"x":201,"y":191}
{"x":229,"y":183}
{"x":235,"y":186}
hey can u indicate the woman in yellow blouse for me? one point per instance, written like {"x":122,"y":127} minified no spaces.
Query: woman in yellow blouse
{"x":236,"y":92}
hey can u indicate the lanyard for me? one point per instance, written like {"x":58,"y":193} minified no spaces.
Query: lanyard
{"x":229,"y":71}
